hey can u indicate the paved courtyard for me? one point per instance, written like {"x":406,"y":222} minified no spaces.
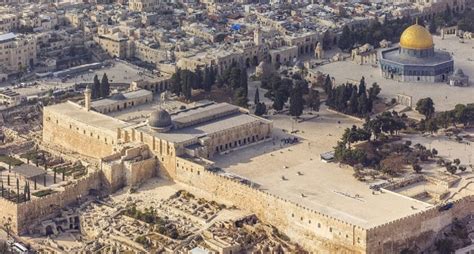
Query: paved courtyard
{"x":445,"y":97}
{"x":295,"y":172}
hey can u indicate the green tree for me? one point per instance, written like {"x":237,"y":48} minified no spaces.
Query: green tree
{"x":363,"y":105}
{"x":207,"y":79}
{"x":296,"y":101}
{"x":104,"y":86}
{"x":444,"y":246}
{"x":374,"y":91}
{"x":176,"y":83}
{"x":417,"y":168}
{"x":313,"y":101}
{"x":260,"y":109}
{"x":256,"y":99}
{"x":199,"y":75}
{"x":95,"y":88}
{"x":432,"y":26}
{"x":279,"y":100}
{"x":327,"y":84}
{"x":353,"y":103}
{"x":240,"y":97}
{"x":362,"y":86}
{"x":345,"y":42}
{"x":425,"y":107}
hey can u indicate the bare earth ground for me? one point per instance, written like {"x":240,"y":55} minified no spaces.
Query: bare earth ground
{"x":444,"y":96}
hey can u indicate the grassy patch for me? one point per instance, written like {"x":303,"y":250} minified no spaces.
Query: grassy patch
{"x":10,"y":160}
{"x":43,"y":193}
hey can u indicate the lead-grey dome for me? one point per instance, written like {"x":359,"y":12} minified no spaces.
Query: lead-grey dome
{"x":160,"y":119}
{"x":118,"y":97}
{"x":458,"y":72}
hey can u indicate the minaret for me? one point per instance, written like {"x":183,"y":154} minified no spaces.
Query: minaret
{"x":87,"y":98}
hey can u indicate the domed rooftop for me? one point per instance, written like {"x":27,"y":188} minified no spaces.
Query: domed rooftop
{"x":458,"y":72}
{"x":416,"y":37}
{"x":160,"y":119}
{"x":118,"y":97}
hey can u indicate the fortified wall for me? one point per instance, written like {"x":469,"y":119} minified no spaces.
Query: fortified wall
{"x":76,"y":136}
{"x":416,"y":230}
{"x":8,"y":214}
{"x":129,"y":167}
{"x":315,"y":231}
{"x":24,"y":215}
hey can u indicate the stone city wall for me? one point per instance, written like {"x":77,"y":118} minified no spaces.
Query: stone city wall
{"x":29,"y":212}
{"x":164,"y":151}
{"x":8,"y":214}
{"x":130,"y":167}
{"x":140,"y":171}
{"x":76,"y":136}
{"x":419,"y":229}
{"x":315,"y":231}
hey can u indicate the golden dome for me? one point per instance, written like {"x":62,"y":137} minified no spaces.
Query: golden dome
{"x":416,"y":37}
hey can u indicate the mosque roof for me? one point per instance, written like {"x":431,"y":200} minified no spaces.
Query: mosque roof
{"x":416,"y":37}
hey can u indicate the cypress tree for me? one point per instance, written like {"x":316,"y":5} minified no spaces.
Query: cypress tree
{"x":104,"y":86}
{"x":327,"y":84}
{"x":362,"y":104}
{"x":176,"y":83}
{"x":353,"y":102}
{"x":362,"y":87}
{"x":296,"y":101}
{"x":256,"y":100}
{"x":96,"y":88}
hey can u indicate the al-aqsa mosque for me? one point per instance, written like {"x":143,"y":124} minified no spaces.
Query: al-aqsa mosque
{"x":416,"y":59}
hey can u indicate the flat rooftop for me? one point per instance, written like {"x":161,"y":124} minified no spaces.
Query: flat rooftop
{"x":7,"y":37}
{"x":91,"y":118}
{"x":127,"y":96}
{"x":203,"y":113}
{"x":203,"y":129}
{"x":296,"y":173}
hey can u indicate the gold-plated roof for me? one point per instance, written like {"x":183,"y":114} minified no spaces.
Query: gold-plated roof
{"x":416,"y":37}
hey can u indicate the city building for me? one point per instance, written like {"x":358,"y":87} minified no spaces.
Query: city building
{"x":416,"y":59}
{"x":17,"y":52}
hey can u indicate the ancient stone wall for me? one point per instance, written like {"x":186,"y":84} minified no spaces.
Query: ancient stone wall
{"x":315,"y":231}
{"x":8,"y":214}
{"x":29,"y":212}
{"x":164,"y":151}
{"x":129,"y":167}
{"x":77,"y":136}
{"x":114,"y":175}
{"x":416,"y":230}
{"x":140,"y":171}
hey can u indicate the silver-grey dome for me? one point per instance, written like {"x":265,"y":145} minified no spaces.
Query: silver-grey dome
{"x":160,"y":119}
{"x":458,"y":72}
{"x":118,"y":97}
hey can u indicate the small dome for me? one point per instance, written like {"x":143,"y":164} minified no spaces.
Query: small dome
{"x":160,"y":119}
{"x":416,"y":37}
{"x":118,"y":97}
{"x":458,"y":72}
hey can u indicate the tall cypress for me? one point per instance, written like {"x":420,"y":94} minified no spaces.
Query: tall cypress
{"x":256,"y":100}
{"x":104,"y":86}
{"x":96,"y":88}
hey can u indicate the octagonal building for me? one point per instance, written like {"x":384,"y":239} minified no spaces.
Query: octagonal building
{"x":416,"y":59}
